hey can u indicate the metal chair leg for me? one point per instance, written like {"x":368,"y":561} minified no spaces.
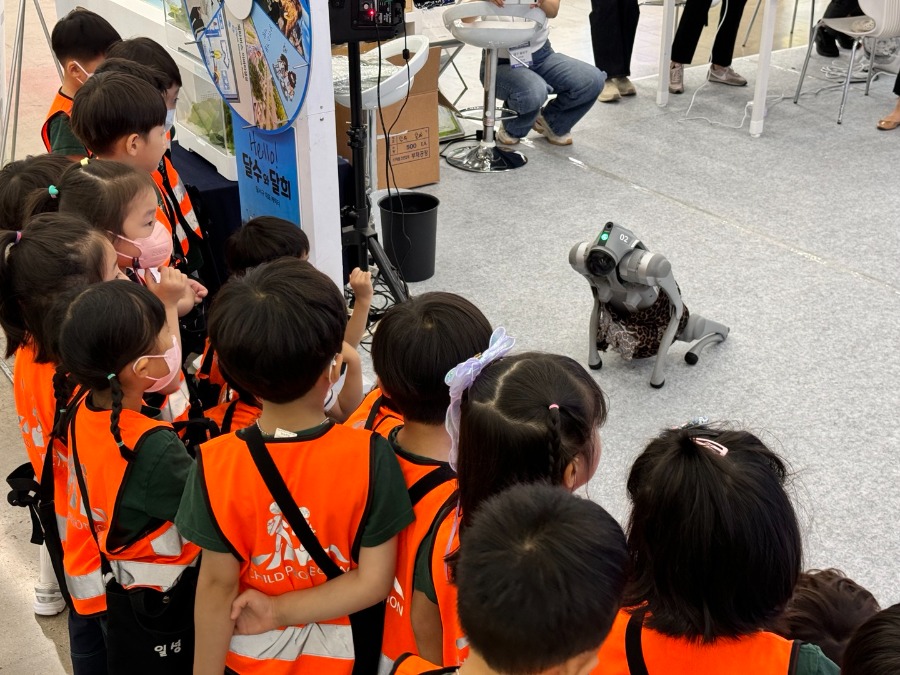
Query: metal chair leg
{"x":871,"y":72}
{"x":794,"y":19}
{"x":752,"y":21}
{"x":847,"y":81}
{"x":812,"y":39}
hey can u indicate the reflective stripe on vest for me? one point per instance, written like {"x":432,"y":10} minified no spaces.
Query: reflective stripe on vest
{"x":184,"y":205}
{"x":374,"y":414}
{"x":326,"y":640}
{"x":155,"y":560}
{"x":62,"y":105}
{"x":760,"y":653}
{"x":87,"y":587}
{"x":272,"y":559}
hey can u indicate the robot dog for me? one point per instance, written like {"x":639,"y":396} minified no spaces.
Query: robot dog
{"x":638,"y":309}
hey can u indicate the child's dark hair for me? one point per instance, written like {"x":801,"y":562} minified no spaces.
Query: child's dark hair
{"x":94,"y":351}
{"x":875,"y":647}
{"x":111,"y":106}
{"x":825,"y":610}
{"x":82,"y":35}
{"x":417,"y":343}
{"x":263,"y":240}
{"x":99,"y":190}
{"x":52,"y":253}
{"x":713,"y":537}
{"x":524,"y":420}
{"x":540,"y":578}
{"x":20,"y":178}
{"x":150,"y":53}
{"x":276,"y":328}
{"x":121,"y":65}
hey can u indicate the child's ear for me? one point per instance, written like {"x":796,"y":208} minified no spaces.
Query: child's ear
{"x":570,"y":474}
{"x":133,"y":144}
{"x":141,"y":367}
{"x":334,"y":371}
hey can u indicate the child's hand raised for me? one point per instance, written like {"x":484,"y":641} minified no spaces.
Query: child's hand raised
{"x":361,"y":283}
{"x":169,"y":288}
{"x":253,"y":613}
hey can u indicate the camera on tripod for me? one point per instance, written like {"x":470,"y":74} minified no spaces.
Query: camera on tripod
{"x":364,"y":20}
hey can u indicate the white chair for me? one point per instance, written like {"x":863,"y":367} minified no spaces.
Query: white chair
{"x":490,"y":34}
{"x":881,"y":20}
{"x":388,"y":91}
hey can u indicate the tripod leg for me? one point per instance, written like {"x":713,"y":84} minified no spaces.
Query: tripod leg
{"x":398,"y":292}
{"x":40,"y":13}
{"x":15,"y":70}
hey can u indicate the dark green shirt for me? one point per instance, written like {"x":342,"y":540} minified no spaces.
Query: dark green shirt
{"x":389,"y":511}
{"x":62,"y":140}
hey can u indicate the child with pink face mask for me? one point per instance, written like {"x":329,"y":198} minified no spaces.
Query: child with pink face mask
{"x":120,"y":201}
{"x":130,"y":466}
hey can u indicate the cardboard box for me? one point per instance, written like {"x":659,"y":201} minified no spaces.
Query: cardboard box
{"x":414,"y":142}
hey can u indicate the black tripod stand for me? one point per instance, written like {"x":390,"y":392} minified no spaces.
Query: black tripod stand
{"x":356,"y":220}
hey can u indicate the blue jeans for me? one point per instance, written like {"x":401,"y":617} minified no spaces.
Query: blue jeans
{"x":87,"y":644}
{"x":575,"y":83}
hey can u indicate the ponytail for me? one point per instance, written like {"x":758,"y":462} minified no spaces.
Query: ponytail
{"x":116,"y":389}
{"x":10,"y":311}
{"x":554,"y":470}
{"x":41,"y":200}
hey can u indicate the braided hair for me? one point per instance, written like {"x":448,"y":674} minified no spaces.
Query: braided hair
{"x":525,"y":419}
{"x":94,"y":347}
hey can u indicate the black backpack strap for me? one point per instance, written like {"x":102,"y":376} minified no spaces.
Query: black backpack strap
{"x":373,"y":414}
{"x":25,"y":491}
{"x":633,"y":651}
{"x":228,"y":418}
{"x":367,"y":624}
{"x":428,"y":482}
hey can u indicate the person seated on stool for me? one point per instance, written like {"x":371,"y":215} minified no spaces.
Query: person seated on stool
{"x":693,"y":18}
{"x":529,"y":73}
{"x":892,"y":121}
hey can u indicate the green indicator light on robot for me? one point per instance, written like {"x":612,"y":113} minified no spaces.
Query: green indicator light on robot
{"x":604,"y":236}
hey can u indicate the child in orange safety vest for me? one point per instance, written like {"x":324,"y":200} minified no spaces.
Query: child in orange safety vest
{"x":525,"y":418}
{"x":80,"y":41}
{"x":709,"y":502}
{"x":293,"y":502}
{"x":539,"y":583}
{"x":39,"y":263}
{"x":415,"y":345}
{"x":127,"y":468}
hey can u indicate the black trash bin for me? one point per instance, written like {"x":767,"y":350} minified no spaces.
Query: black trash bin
{"x":409,"y":226}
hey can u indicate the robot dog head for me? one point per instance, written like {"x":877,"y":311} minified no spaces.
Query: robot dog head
{"x":620,"y":268}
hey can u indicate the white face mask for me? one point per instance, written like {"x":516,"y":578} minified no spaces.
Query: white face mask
{"x":170,"y":119}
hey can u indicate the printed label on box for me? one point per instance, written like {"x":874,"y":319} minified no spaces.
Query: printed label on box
{"x":410,"y":146}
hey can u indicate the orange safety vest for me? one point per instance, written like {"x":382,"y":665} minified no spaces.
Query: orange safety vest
{"x":334,"y":502}
{"x":233,"y":415}
{"x":760,"y":653}
{"x":209,"y":370}
{"x":35,"y":404}
{"x":432,"y":486}
{"x":62,"y":105}
{"x":154,"y":559}
{"x":169,"y":183}
{"x":446,"y":541}
{"x":410,"y":664}
{"x":375,"y":414}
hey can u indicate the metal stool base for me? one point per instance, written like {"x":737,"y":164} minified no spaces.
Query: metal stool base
{"x":484,"y":158}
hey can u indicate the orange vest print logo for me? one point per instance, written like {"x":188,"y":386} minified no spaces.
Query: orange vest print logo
{"x":289,"y":557}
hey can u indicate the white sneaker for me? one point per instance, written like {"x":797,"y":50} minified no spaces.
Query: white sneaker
{"x":501,"y":135}
{"x":48,"y":601}
{"x":541,"y":126}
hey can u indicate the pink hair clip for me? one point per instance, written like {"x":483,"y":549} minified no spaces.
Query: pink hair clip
{"x":710,"y":444}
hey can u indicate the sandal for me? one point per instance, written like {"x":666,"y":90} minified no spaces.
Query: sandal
{"x":888,"y":125}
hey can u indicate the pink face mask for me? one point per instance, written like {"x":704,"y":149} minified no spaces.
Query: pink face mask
{"x":155,"y":250}
{"x":173,"y":361}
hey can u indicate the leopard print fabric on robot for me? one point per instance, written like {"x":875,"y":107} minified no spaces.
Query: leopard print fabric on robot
{"x":636,"y":335}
